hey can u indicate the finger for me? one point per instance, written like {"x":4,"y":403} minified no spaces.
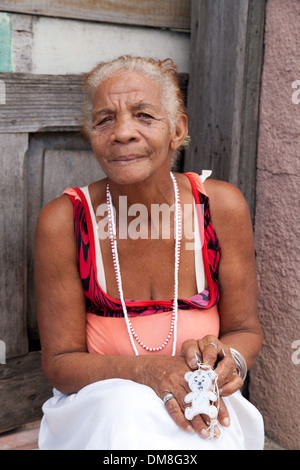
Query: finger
{"x":177,"y":415}
{"x":210,"y":348}
{"x":188,"y":350}
{"x":232,"y":386}
{"x":223,"y":416}
{"x":225,"y":370}
{"x":200,"y":424}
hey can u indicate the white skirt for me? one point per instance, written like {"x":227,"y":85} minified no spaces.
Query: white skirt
{"x":119,"y":414}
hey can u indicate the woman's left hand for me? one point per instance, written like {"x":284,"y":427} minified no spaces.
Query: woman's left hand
{"x":211,"y":349}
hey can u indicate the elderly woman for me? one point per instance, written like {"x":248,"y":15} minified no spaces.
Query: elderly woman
{"x":146,"y":338}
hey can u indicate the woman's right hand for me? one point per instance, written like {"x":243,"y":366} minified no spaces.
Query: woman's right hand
{"x":165,"y":375}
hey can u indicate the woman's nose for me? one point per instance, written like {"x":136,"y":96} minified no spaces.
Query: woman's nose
{"x":124,"y":130}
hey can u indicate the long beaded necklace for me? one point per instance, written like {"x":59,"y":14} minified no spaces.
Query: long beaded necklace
{"x":174,"y":320}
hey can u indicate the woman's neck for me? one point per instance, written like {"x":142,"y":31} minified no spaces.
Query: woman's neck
{"x":156,"y":189}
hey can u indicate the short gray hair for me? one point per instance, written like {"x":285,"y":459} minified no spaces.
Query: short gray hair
{"x":162,"y":71}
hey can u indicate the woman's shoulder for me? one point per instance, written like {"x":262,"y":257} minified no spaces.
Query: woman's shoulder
{"x":54,"y":241}
{"x":55,"y":217}
{"x":229,"y":212}
{"x":225,"y":197}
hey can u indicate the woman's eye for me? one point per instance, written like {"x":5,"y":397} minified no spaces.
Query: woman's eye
{"x":105,"y":120}
{"x":144,"y":115}
{"x":145,"y":118}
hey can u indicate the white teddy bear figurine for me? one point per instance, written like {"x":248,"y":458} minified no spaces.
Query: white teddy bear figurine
{"x":201,"y":382}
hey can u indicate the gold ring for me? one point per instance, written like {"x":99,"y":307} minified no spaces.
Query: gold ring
{"x":211,"y":344}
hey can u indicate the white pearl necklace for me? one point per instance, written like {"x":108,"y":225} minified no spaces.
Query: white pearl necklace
{"x":112,"y":233}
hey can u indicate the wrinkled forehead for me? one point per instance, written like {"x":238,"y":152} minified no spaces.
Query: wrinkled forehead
{"x":132,"y":88}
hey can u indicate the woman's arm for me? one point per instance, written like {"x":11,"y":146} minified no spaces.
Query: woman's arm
{"x":239,"y":325}
{"x":240,"y":328}
{"x":61,"y":307}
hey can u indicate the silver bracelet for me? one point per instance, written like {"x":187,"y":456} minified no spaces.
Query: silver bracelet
{"x":240,"y":363}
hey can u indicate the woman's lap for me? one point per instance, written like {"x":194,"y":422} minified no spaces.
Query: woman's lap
{"x":120,"y":414}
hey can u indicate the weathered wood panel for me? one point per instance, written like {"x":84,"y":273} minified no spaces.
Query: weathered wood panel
{"x":23,"y":390}
{"x":36,"y":103}
{"x":173,"y":14}
{"x":251,"y":99}
{"x":22,"y":36}
{"x":227,"y":50}
{"x":67,"y":168}
{"x":41,"y":102}
{"x":13,"y":243}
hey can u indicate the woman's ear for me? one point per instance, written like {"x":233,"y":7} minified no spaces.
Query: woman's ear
{"x":179,"y":133}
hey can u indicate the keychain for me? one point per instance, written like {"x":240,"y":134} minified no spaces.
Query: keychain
{"x":204,"y":395}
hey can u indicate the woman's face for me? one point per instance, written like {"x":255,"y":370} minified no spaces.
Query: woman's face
{"x":131,"y":133}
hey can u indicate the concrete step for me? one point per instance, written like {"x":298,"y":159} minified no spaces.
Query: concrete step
{"x":270,"y":444}
{"x":24,"y":438}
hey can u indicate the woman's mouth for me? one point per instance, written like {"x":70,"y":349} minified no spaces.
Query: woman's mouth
{"x":121,"y":160}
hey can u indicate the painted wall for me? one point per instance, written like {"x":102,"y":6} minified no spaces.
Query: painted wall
{"x":5,"y":42}
{"x":43,"y":45}
{"x":68,"y":46}
{"x":275,"y":380}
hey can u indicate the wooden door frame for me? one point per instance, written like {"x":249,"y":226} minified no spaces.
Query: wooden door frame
{"x":224,"y":90}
